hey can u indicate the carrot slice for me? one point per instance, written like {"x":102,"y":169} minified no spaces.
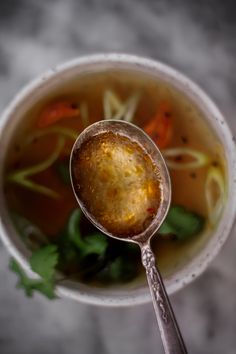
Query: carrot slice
{"x":160,"y":128}
{"x":57,"y":111}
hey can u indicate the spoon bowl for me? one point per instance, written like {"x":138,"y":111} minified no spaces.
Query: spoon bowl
{"x":125,"y":129}
{"x":170,"y":333}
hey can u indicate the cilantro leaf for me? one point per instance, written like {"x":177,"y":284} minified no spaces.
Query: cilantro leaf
{"x":122,"y":270}
{"x":166,"y":228}
{"x":116,"y":269}
{"x":182,"y":223}
{"x":44,"y":260}
{"x":92,"y":244}
{"x":30,"y":285}
{"x":46,"y":288}
{"x":74,"y":222}
{"x":24,"y":282}
{"x":95,"y":243}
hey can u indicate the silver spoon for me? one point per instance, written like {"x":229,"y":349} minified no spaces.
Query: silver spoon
{"x":170,"y":333}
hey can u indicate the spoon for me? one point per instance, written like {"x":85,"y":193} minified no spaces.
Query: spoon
{"x":122,"y":185}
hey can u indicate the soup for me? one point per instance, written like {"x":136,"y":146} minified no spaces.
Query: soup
{"x":40,"y":197}
{"x":106,"y":169}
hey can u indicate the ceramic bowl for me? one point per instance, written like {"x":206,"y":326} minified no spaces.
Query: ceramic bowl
{"x":41,"y":87}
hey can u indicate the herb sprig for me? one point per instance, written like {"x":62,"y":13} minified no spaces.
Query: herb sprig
{"x":43,"y":262}
{"x":182,"y":223}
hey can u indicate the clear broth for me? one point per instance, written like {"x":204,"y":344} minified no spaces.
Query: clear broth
{"x":190,"y":130}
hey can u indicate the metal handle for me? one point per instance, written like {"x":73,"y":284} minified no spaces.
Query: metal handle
{"x":170,"y":334}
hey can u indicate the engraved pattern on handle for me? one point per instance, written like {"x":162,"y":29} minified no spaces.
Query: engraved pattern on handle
{"x":171,"y":337}
{"x":148,"y":260}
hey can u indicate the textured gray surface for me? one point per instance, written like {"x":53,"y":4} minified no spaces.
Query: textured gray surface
{"x":195,"y":37}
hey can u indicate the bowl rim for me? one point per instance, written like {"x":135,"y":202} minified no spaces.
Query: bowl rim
{"x":128,"y":297}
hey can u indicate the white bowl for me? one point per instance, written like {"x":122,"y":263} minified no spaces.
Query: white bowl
{"x":41,"y":86}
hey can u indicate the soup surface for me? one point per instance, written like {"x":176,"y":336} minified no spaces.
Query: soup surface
{"x":40,"y":197}
{"x":118,"y":183}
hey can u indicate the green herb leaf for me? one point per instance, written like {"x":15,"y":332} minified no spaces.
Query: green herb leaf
{"x":182,"y":223}
{"x":73,"y":229}
{"x":46,"y":288}
{"x":92,"y":244}
{"x":166,"y":228}
{"x":24,"y":282}
{"x":44,"y":261}
{"x":95,"y":244}
{"x":30,"y":285}
{"x":121,"y":270}
{"x":116,"y":269}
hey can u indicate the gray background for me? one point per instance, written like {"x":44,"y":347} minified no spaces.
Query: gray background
{"x":195,"y":37}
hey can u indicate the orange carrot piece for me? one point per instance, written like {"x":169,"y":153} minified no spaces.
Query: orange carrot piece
{"x":57,"y":111}
{"x":160,"y":128}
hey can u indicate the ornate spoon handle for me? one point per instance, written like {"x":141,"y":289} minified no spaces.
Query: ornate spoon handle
{"x":170,"y":334}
